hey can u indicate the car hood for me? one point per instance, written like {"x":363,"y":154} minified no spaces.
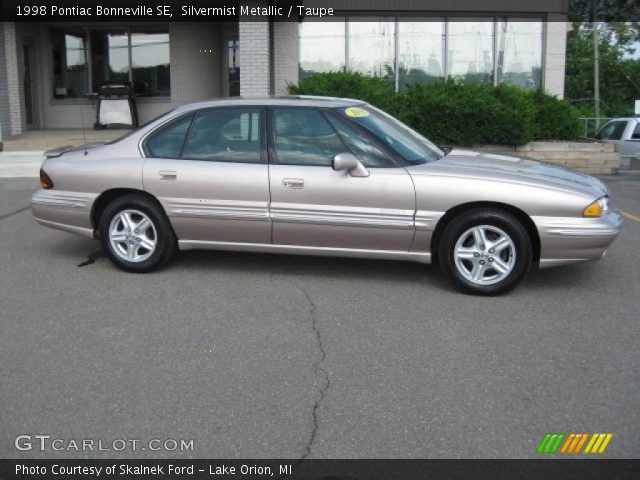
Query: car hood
{"x":511,"y":168}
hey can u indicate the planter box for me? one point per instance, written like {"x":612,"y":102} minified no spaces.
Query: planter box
{"x":588,"y":157}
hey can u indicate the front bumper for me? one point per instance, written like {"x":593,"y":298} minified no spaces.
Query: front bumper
{"x":565,"y":240}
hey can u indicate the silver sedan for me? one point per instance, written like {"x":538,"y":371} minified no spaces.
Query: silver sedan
{"x":321,"y":176}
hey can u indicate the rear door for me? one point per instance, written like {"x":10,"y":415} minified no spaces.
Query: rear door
{"x":209,"y":170}
{"x":313,"y":205}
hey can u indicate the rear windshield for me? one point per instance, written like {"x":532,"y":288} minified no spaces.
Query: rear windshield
{"x":403,"y":140}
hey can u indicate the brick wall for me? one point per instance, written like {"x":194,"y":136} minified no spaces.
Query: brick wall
{"x":555,"y":52}
{"x":285,"y":55}
{"x":13,"y":78}
{"x":5,"y":119}
{"x":588,"y":157}
{"x":196,"y":73}
{"x":255,"y":58}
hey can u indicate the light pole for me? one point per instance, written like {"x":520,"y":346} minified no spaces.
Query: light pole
{"x":596,"y":66}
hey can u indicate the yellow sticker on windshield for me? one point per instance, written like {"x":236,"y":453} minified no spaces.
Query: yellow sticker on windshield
{"x":356,"y":112}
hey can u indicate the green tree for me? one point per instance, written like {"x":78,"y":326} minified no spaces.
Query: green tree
{"x":619,"y":74}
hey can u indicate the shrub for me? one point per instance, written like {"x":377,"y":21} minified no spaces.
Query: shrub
{"x":375,"y":90}
{"x":452,"y":113}
{"x":449,"y":112}
{"x":555,"y":119}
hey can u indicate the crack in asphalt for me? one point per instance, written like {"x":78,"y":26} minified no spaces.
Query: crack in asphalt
{"x":15,"y":212}
{"x":318,"y":370}
{"x":92,"y":258}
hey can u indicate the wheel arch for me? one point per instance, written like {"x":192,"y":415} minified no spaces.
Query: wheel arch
{"x":108,"y":196}
{"x":453,"y":212}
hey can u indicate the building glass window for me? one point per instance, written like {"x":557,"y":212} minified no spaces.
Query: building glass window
{"x":83,"y":59}
{"x":150,"y":62}
{"x":322,"y":47}
{"x":470,"y":50}
{"x":519,"y":50}
{"x":69,"y":64}
{"x":109,"y":57}
{"x":420,"y":51}
{"x":372,"y":47}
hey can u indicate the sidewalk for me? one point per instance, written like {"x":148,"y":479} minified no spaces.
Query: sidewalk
{"x":36,"y":140}
{"x":20,"y":164}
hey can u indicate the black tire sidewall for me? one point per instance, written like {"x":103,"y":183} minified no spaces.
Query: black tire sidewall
{"x":165,"y":237}
{"x":496,"y":218}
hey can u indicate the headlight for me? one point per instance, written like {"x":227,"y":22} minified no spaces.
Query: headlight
{"x":597,"y":208}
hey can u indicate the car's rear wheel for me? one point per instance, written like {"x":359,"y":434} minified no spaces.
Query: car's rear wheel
{"x":485,"y":251}
{"x":136,"y":234}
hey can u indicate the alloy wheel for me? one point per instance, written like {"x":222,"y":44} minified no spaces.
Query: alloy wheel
{"x":132,"y":235}
{"x":484,"y":255}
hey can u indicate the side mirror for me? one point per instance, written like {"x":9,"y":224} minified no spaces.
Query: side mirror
{"x":348,"y":162}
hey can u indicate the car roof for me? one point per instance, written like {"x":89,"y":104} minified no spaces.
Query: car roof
{"x":289,"y":101}
{"x":618,"y":119}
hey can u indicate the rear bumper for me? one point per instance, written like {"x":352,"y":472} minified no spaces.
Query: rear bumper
{"x":68,"y":211}
{"x":565,"y":240}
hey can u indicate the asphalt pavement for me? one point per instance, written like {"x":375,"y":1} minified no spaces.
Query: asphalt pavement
{"x":268,"y":356}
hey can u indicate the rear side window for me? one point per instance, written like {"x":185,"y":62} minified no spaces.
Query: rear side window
{"x":225,"y":135}
{"x":167,"y":142}
{"x":303,"y":137}
{"x":636,"y":132}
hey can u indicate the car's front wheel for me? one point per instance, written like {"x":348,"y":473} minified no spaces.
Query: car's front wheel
{"x":485,"y":251}
{"x":135,"y":233}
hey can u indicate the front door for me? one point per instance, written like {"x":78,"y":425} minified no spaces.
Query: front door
{"x":209,"y":170}
{"x":313,"y":205}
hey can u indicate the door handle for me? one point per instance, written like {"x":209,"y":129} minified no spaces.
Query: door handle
{"x":167,"y":174}
{"x":293,"y":183}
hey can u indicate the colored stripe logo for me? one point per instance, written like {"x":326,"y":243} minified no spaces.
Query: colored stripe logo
{"x":571,"y":443}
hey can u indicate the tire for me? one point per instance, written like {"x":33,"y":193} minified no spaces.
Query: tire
{"x":132,"y":250}
{"x":467,"y":255}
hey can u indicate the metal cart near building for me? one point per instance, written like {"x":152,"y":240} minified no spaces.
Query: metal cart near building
{"x":116,"y":105}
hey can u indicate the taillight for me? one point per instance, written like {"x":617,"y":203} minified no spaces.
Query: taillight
{"x":45,"y":180}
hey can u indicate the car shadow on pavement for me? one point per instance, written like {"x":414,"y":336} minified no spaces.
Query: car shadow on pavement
{"x":84,"y":252}
{"x":313,"y":266}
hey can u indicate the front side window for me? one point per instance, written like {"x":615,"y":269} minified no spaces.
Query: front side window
{"x":406,"y":142}
{"x":225,"y":135}
{"x":84,"y":59}
{"x":370,"y":155}
{"x":636,"y":132}
{"x":303,"y":137}
{"x":168,"y":140}
{"x":612,"y":130}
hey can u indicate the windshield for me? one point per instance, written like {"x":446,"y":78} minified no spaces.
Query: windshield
{"x":403,"y":140}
